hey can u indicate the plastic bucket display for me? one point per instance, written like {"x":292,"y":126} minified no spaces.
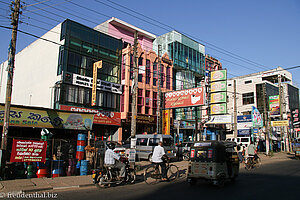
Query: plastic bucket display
{"x":84,"y":167}
{"x":57,"y":172}
{"x":42,"y":173}
{"x":80,"y":146}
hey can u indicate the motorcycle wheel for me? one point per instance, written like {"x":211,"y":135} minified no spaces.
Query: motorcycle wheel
{"x":131,"y":177}
{"x":100,"y":181}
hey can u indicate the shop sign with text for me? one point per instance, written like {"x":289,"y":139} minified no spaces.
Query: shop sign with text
{"x":47,"y":118}
{"x":220,"y":86}
{"x":218,"y":97}
{"x":216,"y":109}
{"x":28,"y":151}
{"x":219,"y":75}
{"x":166,"y":122}
{"x":280,"y":123}
{"x":185,"y":98}
{"x":101,"y":117}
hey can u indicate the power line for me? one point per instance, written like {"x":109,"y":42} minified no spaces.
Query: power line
{"x":50,"y":6}
{"x":188,"y":35}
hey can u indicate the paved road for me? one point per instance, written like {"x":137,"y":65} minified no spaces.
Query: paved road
{"x":279,"y":179}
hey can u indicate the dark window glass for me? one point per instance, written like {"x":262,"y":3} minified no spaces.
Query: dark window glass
{"x":248,"y":98}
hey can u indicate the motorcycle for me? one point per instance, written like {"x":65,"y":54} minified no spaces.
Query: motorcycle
{"x":108,"y":176}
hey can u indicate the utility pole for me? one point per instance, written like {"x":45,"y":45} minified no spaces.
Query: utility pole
{"x":159,"y":93}
{"x":134,"y":88}
{"x":235,"y":109}
{"x":282,"y":135}
{"x":10,"y":68}
{"x":266,"y":120}
{"x":197,"y":137}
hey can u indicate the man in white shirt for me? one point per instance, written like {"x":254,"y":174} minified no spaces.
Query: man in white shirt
{"x":157,"y":155}
{"x":113,"y":159}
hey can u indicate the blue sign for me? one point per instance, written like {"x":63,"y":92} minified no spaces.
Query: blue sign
{"x":255,"y":130}
{"x":244,"y":132}
{"x":244,"y":118}
{"x":180,"y":137}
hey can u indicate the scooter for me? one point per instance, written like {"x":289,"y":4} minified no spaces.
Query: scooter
{"x":108,"y":176}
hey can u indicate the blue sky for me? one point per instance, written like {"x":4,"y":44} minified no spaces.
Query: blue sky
{"x":265,"y":32}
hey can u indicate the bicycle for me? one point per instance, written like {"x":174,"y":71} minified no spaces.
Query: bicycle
{"x":152,"y":173}
{"x":252,"y":162}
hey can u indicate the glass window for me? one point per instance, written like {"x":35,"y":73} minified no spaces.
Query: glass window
{"x":248,"y":98}
{"x":142,"y":141}
{"x":153,"y":141}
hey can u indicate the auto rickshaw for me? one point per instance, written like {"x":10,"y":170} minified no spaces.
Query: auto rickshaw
{"x":215,"y":161}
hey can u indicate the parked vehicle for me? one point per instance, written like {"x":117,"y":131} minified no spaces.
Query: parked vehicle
{"x":183,"y":150}
{"x":215,"y":161}
{"x":108,"y":176}
{"x":297,"y":148}
{"x":245,"y":141}
{"x":146,"y":143}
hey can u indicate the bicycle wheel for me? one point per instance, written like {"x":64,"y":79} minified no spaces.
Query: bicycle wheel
{"x":150,"y":175}
{"x":248,"y":164}
{"x":257,"y":163}
{"x":172,"y":172}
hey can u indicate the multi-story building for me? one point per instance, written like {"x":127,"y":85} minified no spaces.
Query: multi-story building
{"x":189,"y":70}
{"x":57,"y":74}
{"x":147,"y":95}
{"x":212,"y":64}
{"x":250,"y":92}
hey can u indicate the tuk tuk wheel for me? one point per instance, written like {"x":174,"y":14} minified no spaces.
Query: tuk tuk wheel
{"x":221,"y":180}
{"x":192,"y":181}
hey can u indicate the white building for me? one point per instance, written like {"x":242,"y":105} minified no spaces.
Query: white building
{"x":249,"y":92}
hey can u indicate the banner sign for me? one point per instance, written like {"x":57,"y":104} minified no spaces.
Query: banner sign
{"x":85,"y":81}
{"x":219,"y":75}
{"x":100,"y":117}
{"x":220,"y":119}
{"x":96,"y":66}
{"x":220,"y":86}
{"x":185,"y":98}
{"x":257,"y":120}
{"x":274,"y":105}
{"x":244,"y":132}
{"x":245,"y":125}
{"x":28,"y":151}
{"x":141,"y":118}
{"x":47,"y":118}
{"x":218,"y":109}
{"x":280,"y":123}
{"x":295,"y":117}
{"x":218,"y":97}
{"x":244,"y":118}
{"x":166,"y":122}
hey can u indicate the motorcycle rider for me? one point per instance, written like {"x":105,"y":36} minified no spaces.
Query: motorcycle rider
{"x":157,"y":156}
{"x":112,"y":159}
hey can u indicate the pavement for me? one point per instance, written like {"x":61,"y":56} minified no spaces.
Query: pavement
{"x":68,"y":182}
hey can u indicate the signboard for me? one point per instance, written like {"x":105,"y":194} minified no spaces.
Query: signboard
{"x":218,"y":109}
{"x":145,"y":119}
{"x":131,"y":155}
{"x":220,"y":119}
{"x":96,"y":66}
{"x":244,"y":132}
{"x":245,"y":125}
{"x":274,"y":105}
{"x":166,"y":122}
{"x":180,"y":137}
{"x":47,"y":118}
{"x":219,"y":75}
{"x":100,"y":117}
{"x":185,"y":98}
{"x":295,"y":117}
{"x":28,"y":151}
{"x":85,"y":81}
{"x":244,"y":118}
{"x":257,"y":120}
{"x":142,"y":69}
{"x":280,"y":123}
{"x":220,"y":86}
{"x":218,"y":97}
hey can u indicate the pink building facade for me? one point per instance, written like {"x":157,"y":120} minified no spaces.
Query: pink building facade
{"x":147,"y":78}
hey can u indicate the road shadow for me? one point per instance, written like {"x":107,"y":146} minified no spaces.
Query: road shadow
{"x":264,"y":183}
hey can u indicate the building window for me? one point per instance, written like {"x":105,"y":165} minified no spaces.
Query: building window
{"x":148,"y":73}
{"x":123,"y":66}
{"x":168,"y":78}
{"x":247,"y":82}
{"x":248,"y":98}
{"x":154,"y":73}
{"x":141,"y":70}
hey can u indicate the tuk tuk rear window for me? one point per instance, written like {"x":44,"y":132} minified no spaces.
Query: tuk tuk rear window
{"x":244,"y":139}
{"x":208,"y":154}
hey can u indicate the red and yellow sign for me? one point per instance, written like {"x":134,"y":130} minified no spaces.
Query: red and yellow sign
{"x":96,"y":66}
{"x":28,"y":151}
{"x":101,"y":117}
{"x":47,"y":118}
{"x":185,"y":98}
{"x":166,"y":122}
